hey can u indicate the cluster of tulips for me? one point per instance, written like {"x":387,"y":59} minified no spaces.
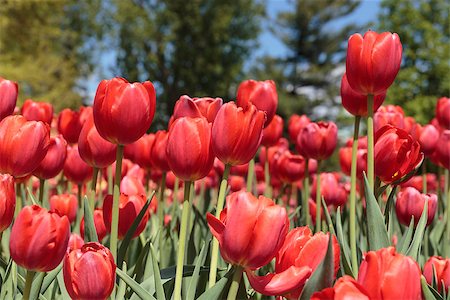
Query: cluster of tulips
{"x":122,"y":212}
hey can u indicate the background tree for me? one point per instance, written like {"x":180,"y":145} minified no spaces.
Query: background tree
{"x":424,"y":30}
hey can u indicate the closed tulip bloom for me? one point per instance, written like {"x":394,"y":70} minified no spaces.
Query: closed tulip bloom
{"x":37,"y":111}
{"x":236,"y":183}
{"x":70,"y":124}
{"x":158,"y":152}
{"x":250,"y":230}
{"x":297,"y":259}
{"x":23,"y":145}
{"x":129,"y":208}
{"x":39,"y":239}
{"x":262,"y":94}
{"x":8,"y":97}
{"x":380,"y":271}
{"x":99,"y":224}
{"x":427,"y":136}
{"x":289,"y":167}
{"x":237,"y":133}
{"x":132,"y":185}
{"x":389,"y":114}
{"x":373,"y":61}
{"x":89,"y":272}
{"x":75,"y":242}
{"x":7,"y":200}
{"x":410,"y":203}
{"x":356,"y":103}
{"x":408,"y":124}
{"x":139,"y":152}
{"x":197,"y":107}
{"x":318,"y":140}
{"x":189,"y":149}
{"x":295,"y":124}
{"x":272,"y":132}
{"x":443,"y":112}
{"x":333,"y":192}
{"x":417,"y":183}
{"x":442,"y":267}
{"x":65,"y":205}
{"x":53,"y":162}
{"x":75,"y":169}
{"x":395,"y":153}
{"x":123,"y":111}
{"x":345,"y":160}
{"x":345,"y":288}
{"x":443,"y":149}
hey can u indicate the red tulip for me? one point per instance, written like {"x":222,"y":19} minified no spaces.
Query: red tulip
{"x":99,"y":224}
{"x":442,"y":269}
{"x":408,"y":124}
{"x":129,"y":208}
{"x":75,"y":242}
{"x":93,"y":149}
{"x":297,"y":259}
{"x":139,"y":152}
{"x":312,"y":211}
{"x":417,"y":183}
{"x":345,"y":288}
{"x":262,"y":94}
{"x":295,"y":124}
{"x":443,"y":149}
{"x":158,"y":152}
{"x":427,"y":136}
{"x":356,"y":103}
{"x":65,"y":205}
{"x":289,"y":167}
{"x":7,"y":201}
{"x":389,"y":114}
{"x":250,"y":230}
{"x":53,"y":162}
{"x":123,"y":111}
{"x":23,"y":145}
{"x":395,"y":153}
{"x":380,"y":271}
{"x":37,"y":111}
{"x":132,"y":185}
{"x":89,"y":272}
{"x":237,"y":133}
{"x":8,"y":97}
{"x":345,"y":160}
{"x":318,"y":140}
{"x":126,"y":165}
{"x":443,"y":112}
{"x":189,"y":150}
{"x":373,"y":61}
{"x":39,"y":239}
{"x":236,"y":183}
{"x":333,"y":192}
{"x":410,"y":203}
{"x":70,"y":124}
{"x":272,"y":132}
{"x":196,"y":108}
{"x":75,"y":169}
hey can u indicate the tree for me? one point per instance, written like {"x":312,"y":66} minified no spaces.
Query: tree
{"x":185,"y":47}
{"x":46,"y":47}
{"x":424,"y":30}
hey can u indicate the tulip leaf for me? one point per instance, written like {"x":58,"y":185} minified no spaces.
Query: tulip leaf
{"x":389,"y":207}
{"x":403,"y":245}
{"x":188,"y":270}
{"x":328,"y":217}
{"x":50,"y":278}
{"x":157,"y":276}
{"x":196,"y":274}
{"x":36,"y":285}
{"x":219,"y":290}
{"x":122,"y":286}
{"x":376,"y":230}
{"x":129,"y":235}
{"x":429,"y":292}
{"x":323,"y":276}
{"x":33,"y":199}
{"x":140,"y":291}
{"x":416,"y":243}
{"x":140,"y":265}
{"x":62,"y":287}
{"x":345,"y":258}
{"x":90,"y":233}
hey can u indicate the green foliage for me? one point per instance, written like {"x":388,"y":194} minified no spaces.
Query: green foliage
{"x":424,"y":30}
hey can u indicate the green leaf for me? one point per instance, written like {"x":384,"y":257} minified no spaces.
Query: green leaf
{"x":90,"y":233}
{"x":403,"y":245}
{"x":219,"y":290}
{"x":414,"y":249}
{"x":33,"y":200}
{"x":158,"y":284}
{"x":50,"y":278}
{"x":377,"y":233}
{"x":389,"y":206}
{"x":36,"y":285}
{"x":345,"y":250}
{"x":328,"y":217}
{"x":196,"y":274}
{"x":122,"y":286}
{"x":426,"y":290}
{"x":62,"y":287}
{"x":324,"y":274}
{"x":134,"y":285}
{"x":129,"y":235}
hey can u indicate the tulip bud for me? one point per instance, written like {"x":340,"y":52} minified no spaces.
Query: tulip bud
{"x":443,"y":149}
{"x":295,"y":124}
{"x":237,"y":133}
{"x":262,"y":94}
{"x":39,"y":239}
{"x":75,"y":169}
{"x":37,"y":111}
{"x":442,"y":269}
{"x":290,"y":168}
{"x":317,"y":140}
{"x":333,"y":192}
{"x":389,"y":114}
{"x":443,"y":112}
{"x":54,"y":160}
{"x":75,"y":242}
{"x":70,"y":124}
{"x":410,"y":203}
{"x":99,"y":224}
{"x":273,"y":132}
{"x":123,"y":111}
{"x":345,"y":160}
{"x":189,"y":150}
{"x":23,"y":145}
{"x":65,"y":205}
{"x":158,"y":151}
{"x":89,"y":272}
{"x":140,"y":151}
{"x":373,"y":61}
{"x":196,"y":108}
{"x":8,"y":97}
{"x":427,"y":136}
{"x":7,"y":201}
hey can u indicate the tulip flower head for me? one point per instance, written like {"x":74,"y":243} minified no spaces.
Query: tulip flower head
{"x":54,"y":160}
{"x":442,"y":271}
{"x":8,"y":97}
{"x":410,"y":203}
{"x":197,"y":107}
{"x":443,"y":112}
{"x":317,"y":140}
{"x":37,"y":111}
{"x":7,"y":200}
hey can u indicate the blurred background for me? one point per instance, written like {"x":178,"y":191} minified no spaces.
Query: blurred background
{"x":58,"y":51}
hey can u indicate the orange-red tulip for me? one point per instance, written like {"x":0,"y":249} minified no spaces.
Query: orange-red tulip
{"x":345,"y":288}
{"x":140,"y":151}
{"x":7,"y":200}
{"x":37,"y":111}
{"x":389,"y":114}
{"x":442,"y":267}
{"x":295,"y":124}
{"x":158,"y":151}
{"x":196,"y":108}
{"x":65,"y":205}
{"x":70,"y":123}
{"x":53,"y":162}
{"x":75,"y":242}
{"x":75,"y":169}
{"x":8,"y":97}
{"x":272,"y":132}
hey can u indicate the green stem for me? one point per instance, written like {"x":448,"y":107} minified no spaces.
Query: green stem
{"x":250,"y":174}
{"x":110,"y":179}
{"x":424,"y":177}
{"x":354,"y":258}
{"x":215,"y":245}
{"x":318,"y":197}
{"x":234,"y":288}
{"x":115,"y":205}
{"x":28,"y":283}
{"x":182,"y":240}
{"x":41,"y":190}
{"x":175,"y":198}
{"x":161,"y":215}
{"x":267,"y":188}
{"x":370,"y":161}
{"x":305,"y":197}
{"x":93,"y":189}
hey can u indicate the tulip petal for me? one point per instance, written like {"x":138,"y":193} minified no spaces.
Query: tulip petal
{"x":215,"y":225}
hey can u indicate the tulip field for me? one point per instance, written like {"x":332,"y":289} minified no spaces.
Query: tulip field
{"x":231,"y":201}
